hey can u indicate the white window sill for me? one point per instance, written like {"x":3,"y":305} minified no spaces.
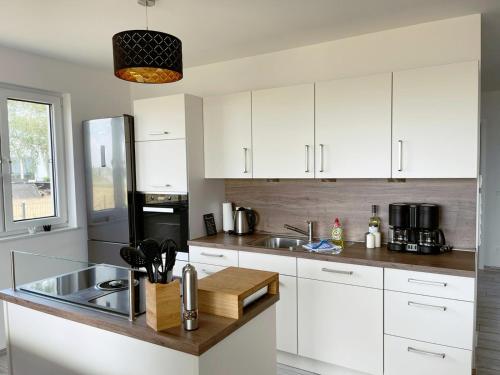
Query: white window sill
{"x":5,"y":237}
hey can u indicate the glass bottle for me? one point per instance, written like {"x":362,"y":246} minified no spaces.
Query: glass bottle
{"x":374,"y":222}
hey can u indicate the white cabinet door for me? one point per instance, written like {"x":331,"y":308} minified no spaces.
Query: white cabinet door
{"x":283,"y":132}
{"x":227,"y":122}
{"x":435,"y":122}
{"x":286,"y":308}
{"x":353,"y":127}
{"x":341,"y":324}
{"x":161,"y":166}
{"x":286,"y":315}
{"x":159,"y":118}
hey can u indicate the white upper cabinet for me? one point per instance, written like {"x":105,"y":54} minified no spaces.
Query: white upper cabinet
{"x":353,"y":127}
{"x":435,"y":122}
{"x":228,"y":136}
{"x":161,"y":167}
{"x":160,"y":118}
{"x":283,"y":132}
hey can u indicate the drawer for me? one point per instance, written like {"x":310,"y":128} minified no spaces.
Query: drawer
{"x":275,"y":263}
{"x":430,"y":284}
{"x":209,"y":255}
{"x":437,"y":320}
{"x":205,"y":270}
{"x":345,"y":273}
{"x":409,"y":357}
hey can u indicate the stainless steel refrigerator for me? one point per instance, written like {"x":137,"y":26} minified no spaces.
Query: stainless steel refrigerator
{"x":110,"y":187}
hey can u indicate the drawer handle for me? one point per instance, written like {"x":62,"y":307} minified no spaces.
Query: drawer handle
{"x":427,"y":282}
{"x":416,"y":304}
{"x":425,"y":352}
{"x":212,"y":255}
{"x":207,"y":271}
{"x":337,"y":271}
{"x":160,"y":186}
{"x":159,"y":133}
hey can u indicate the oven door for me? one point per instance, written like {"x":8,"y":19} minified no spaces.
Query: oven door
{"x":161,"y":222}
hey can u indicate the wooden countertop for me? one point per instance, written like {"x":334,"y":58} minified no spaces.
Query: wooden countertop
{"x":212,"y":328}
{"x":459,"y":263}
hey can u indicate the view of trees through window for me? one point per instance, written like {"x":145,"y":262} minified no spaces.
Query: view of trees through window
{"x":30,"y":148}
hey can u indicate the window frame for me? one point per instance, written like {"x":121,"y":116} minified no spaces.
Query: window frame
{"x":7,"y":224}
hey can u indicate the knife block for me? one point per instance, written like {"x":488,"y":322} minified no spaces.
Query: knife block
{"x":163,"y":305}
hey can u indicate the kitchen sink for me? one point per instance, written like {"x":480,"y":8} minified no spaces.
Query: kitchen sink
{"x":273,"y":242}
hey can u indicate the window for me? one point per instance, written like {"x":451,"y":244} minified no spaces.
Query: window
{"x":33,"y":185}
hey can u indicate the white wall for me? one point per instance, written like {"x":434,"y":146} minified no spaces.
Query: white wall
{"x":489,"y":253}
{"x":434,"y":43}
{"x":92,"y":94}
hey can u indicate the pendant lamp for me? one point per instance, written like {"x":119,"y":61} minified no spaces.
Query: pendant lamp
{"x":147,"y":56}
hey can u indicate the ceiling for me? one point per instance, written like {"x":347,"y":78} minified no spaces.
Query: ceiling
{"x":215,"y":30}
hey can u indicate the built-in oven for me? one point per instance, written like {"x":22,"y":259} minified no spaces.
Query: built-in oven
{"x":163,"y":216}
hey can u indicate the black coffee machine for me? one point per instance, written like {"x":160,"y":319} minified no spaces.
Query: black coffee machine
{"x":414,"y":227}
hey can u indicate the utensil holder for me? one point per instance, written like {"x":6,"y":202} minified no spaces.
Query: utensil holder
{"x":163,"y":305}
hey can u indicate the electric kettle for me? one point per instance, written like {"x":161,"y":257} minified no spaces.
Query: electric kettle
{"x":244,"y":221}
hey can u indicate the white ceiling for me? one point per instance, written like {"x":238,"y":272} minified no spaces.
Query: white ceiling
{"x":215,"y":30}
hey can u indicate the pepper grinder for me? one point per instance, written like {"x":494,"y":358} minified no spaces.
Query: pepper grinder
{"x":190,"y":297}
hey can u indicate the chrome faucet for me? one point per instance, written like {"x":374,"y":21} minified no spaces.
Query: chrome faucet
{"x":309,"y":232}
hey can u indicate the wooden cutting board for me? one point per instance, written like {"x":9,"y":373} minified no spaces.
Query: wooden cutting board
{"x":224,"y":292}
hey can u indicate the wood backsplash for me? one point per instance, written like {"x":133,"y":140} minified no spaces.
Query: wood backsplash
{"x":295,"y":201}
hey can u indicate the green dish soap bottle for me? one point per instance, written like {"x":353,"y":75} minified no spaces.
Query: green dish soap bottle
{"x":338,"y":233}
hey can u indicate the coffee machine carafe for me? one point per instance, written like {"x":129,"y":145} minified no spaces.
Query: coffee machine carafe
{"x":414,"y":227}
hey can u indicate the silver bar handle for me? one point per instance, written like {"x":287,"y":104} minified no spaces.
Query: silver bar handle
{"x":12,"y":270}
{"x":321,"y":157}
{"x":207,"y":271}
{"x":159,"y":133}
{"x":212,"y":255}
{"x":427,"y":282}
{"x":131,"y":295}
{"x":330,"y":270}
{"x":158,"y":186}
{"x":307,"y":159}
{"x":400,"y":156}
{"x":425,"y":352}
{"x":245,"y":151}
{"x":425,"y":305}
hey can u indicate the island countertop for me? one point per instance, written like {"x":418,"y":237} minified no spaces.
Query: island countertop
{"x":212,"y":328}
{"x":456,"y":262}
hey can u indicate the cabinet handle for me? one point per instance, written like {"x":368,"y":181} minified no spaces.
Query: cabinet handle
{"x":159,"y":133}
{"x":212,"y":255}
{"x":400,"y":156}
{"x":321,"y":157}
{"x":416,"y":304}
{"x":427,"y":282}
{"x":307,"y":158}
{"x":245,"y":151}
{"x":158,"y":186}
{"x":207,"y":271}
{"x":425,"y":352}
{"x":337,"y":271}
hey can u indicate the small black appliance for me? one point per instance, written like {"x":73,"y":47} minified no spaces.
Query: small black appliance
{"x":414,"y":227}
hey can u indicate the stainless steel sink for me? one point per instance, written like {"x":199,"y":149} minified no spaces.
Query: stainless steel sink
{"x":273,"y":242}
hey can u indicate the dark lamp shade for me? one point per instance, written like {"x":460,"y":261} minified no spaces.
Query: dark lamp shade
{"x":147,"y":56}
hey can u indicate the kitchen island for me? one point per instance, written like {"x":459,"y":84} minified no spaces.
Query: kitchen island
{"x":47,"y":337}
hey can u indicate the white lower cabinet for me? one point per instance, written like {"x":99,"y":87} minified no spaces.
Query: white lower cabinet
{"x":341,"y":324}
{"x":409,"y":357}
{"x":286,"y":308}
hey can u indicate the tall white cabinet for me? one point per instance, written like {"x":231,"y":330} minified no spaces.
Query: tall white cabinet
{"x":435,"y":122}
{"x":169,"y":155}
{"x":353,"y":127}
{"x":283,"y":132}
{"x":227,"y":124}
